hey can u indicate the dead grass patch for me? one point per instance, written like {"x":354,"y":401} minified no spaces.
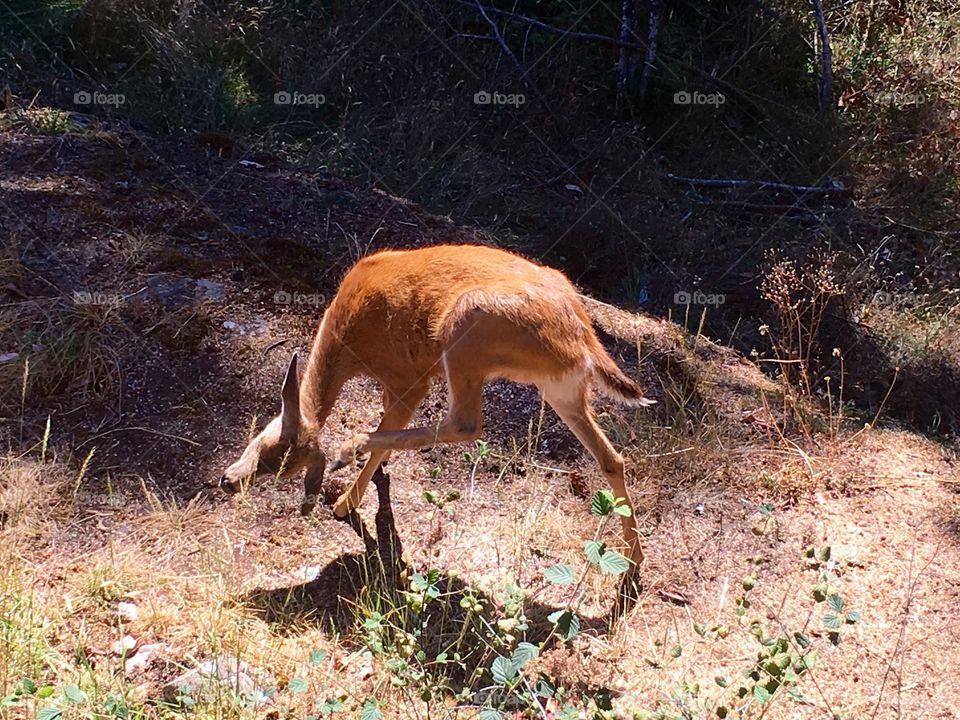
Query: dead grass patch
{"x":213,"y":580}
{"x":62,"y":344}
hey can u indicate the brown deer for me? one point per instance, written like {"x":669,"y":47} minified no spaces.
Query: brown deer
{"x":470,"y":313}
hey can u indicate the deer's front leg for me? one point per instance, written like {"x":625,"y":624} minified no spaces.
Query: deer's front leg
{"x":398,"y":408}
{"x":463,"y":422}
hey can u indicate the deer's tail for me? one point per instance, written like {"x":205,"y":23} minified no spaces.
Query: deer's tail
{"x":614,"y":382}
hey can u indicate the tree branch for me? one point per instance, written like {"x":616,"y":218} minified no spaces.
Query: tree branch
{"x":503,"y":43}
{"x":614,"y":42}
{"x":628,"y":21}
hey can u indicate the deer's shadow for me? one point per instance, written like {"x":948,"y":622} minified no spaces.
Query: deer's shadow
{"x":368,"y":597}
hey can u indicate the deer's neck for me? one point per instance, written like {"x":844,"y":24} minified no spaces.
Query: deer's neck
{"x":322,"y":380}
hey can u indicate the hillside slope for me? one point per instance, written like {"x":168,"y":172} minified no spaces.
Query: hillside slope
{"x":157,"y":290}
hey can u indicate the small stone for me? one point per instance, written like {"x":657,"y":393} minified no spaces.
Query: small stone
{"x":308,"y":574}
{"x":229,"y":325}
{"x":141,"y":660}
{"x":139,"y":693}
{"x":214,"y":677}
{"x":127,"y":612}
{"x":171,"y":290}
{"x":124,"y":646}
{"x":209,"y":290}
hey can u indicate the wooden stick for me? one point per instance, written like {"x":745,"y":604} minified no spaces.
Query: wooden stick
{"x":835,"y":186}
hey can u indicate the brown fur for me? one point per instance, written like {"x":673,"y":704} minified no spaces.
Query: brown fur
{"x":470,"y":313}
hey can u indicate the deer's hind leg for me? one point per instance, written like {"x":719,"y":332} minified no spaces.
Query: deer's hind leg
{"x":568,"y":397}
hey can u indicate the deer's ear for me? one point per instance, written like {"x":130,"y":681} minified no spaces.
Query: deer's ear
{"x":290,"y":394}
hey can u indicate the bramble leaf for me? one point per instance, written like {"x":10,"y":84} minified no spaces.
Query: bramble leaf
{"x":503,"y":670}
{"x":613,"y":562}
{"x":602,"y":503}
{"x":594,"y":550}
{"x":297,"y":685}
{"x":559,"y":574}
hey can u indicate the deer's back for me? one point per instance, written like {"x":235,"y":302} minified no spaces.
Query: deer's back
{"x":396,"y":309}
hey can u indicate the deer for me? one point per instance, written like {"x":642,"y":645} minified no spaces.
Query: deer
{"x":468,"y":313}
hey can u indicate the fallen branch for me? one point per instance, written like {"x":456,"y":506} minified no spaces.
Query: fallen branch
{"x":168,"y":436}
{"x":835,"y":187}
{"x":798,"y":212}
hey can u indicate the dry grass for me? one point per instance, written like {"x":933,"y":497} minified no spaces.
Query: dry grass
{"x":66,"y":345}
{"x":211,"y":579}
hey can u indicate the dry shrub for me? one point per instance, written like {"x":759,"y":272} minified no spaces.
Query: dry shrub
{"x":799,"y":295}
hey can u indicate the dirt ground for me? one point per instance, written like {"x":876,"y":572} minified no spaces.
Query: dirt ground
{"x":164,"y":387}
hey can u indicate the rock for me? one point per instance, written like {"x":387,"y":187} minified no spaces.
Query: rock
{"x":254,"y":326}
{"x":139,"y":693}
{"x":172,"y":290}
{"x":127,"y":612}
{"x":209,"y":290}
{"x":214,"y":677}
{"x":141,"y":659}
{"x":177,"y":291}
{"x":124,"y":646}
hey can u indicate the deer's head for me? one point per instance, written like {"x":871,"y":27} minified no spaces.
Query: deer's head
{"x":287,"y":445}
